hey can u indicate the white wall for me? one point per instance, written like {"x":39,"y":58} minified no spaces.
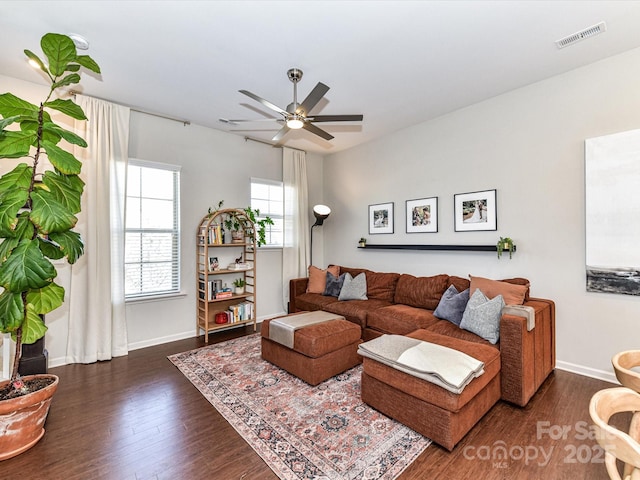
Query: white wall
{"x":529,"y":145}
{"x":215,"y":166}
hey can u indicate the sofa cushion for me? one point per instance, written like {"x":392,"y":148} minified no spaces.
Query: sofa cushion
{"x":460,"y":283}
{"x":444,"y":327}
{"x":313,"y":301}
{"x":430,"y":392}
{"x":334,"y":285}
{"x":482,"y":316}
{"x":355,"y":311}
{"x":519,"y":281}
{"x":380,"y":285}
{"x":512,"y":293}
{"x":421,"y":292}
{"x":320,"y":339}
{"x":318,"y":278}
{"x":452,"y":305}
{"x":400,"y":319}
{"x":354,"y":288}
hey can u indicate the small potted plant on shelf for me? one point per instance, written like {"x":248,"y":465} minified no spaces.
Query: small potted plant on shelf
{"x":505,"y":243}
{"x":362,"y":242}
{"x":239,"y":283}
{"x":236,"y":224}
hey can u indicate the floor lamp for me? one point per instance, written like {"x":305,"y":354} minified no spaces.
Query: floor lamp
{"x":321,"y":212}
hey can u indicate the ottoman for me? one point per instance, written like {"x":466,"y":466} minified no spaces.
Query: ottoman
{"x":427,"y":408}
{"x":319,"y":351}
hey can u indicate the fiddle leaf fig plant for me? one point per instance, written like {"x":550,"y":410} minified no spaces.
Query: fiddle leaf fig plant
{"x":38,"y":206}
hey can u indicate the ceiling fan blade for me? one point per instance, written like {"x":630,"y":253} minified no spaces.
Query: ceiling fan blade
{"x":236,"y":121}
{"x":336,"y":118}
{"x":266,"y":103}
{"x":317,"y":131}
{"x":283,"y":131}
{"x":312,"y":99}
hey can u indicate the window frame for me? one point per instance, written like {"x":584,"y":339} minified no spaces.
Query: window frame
{"x":176,"y":231}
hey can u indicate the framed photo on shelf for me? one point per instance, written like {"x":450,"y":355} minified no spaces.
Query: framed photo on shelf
{"x":475,"y":211}
{"x":422,"y":215}
{"x":214,"y":264}
{"x":381,"y":218}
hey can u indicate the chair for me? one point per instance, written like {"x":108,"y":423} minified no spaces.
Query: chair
{"x":616,"y":443}
{"x":623,"y":362}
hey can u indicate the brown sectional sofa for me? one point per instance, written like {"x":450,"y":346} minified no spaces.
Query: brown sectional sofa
{"x":402,"y":304}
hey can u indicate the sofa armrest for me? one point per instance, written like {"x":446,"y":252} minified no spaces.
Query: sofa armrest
{"x":297,"y":286}
{"x":527,"y":356}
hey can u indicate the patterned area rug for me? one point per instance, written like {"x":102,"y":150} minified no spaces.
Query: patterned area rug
{"x":301,"y":432}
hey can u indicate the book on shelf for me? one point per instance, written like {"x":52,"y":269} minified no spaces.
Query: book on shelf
{"x":215,"y":234}
{"x":223,"y":294}
{"x":240,"y":266}
{"x":241,"y":312}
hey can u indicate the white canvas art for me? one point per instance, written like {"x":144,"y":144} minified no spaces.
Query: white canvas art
{"x":612,"y":209}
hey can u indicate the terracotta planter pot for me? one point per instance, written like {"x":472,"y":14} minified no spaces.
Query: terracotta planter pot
{"x":22,"y":418}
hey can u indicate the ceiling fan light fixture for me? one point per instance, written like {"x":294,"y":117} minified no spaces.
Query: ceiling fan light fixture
{"x":295,"y":122}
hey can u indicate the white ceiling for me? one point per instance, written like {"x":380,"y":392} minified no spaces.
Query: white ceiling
{"x":396,"y":62}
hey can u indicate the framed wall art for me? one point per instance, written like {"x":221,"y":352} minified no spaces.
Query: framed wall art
{"x":381,"y":218}
{"x":612,"y":202}
{"x":475,"y":211}
{"x":422,"y":215}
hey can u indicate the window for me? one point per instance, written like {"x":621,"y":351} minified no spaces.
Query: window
{"x":152,"y":230}
{"x":267,"y":196}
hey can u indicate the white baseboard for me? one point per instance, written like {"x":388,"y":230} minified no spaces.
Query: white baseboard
{"x":588,"y":372}
{"x":58,"y":362}
{"x":160,"y":340}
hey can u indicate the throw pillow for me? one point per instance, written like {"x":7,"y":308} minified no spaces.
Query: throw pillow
{"x":354,"y":288}
{"x":482,"y":316}
{"x":452,"y":305}
{"x":511,"y":293}
{"x":334,"y":285}
{"x":318,"y":278}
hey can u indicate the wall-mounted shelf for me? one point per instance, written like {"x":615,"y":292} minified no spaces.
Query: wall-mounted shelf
{"x":467,"y":248}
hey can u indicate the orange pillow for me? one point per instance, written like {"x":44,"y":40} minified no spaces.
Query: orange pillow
{"x":318,"y":278}
{"x":511,"y":293}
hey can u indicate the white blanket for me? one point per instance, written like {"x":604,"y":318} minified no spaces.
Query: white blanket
{"x":283,"y":329}
{"x":448,"y":368}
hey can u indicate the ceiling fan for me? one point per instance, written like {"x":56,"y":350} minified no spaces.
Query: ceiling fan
{"x":296,"y":115}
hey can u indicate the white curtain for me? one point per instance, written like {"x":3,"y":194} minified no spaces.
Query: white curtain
{"x":97,"y":324}
{"x":295,"y":254}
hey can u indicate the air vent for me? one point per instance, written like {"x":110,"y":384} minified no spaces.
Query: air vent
{"x":581,"y":35}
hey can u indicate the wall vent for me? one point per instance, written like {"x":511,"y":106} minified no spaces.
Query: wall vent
{"x":581,"y":35}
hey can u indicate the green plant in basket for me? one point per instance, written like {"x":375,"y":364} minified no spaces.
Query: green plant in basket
{"x":505,"y":243}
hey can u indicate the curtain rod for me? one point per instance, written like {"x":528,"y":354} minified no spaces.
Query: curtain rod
{"x":246,"y":138}
{"x":182,"y":121}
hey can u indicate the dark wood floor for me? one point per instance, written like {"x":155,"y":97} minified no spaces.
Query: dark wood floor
{"x":138,"y":417}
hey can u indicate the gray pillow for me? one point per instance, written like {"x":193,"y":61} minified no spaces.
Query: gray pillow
{"x":482,"y":316}
{"x":354,"y":288}
{"x":452,"y":305}
{"x":334,"y":285}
